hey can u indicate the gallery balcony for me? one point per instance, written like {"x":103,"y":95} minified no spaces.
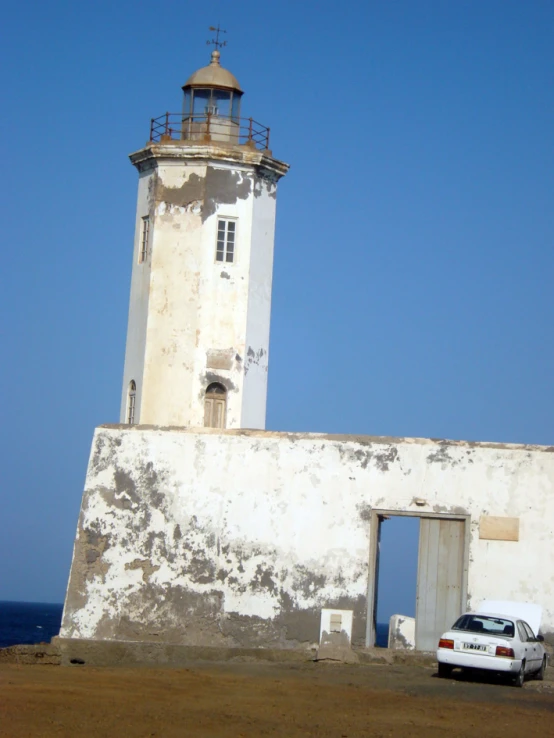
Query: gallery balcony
{"x":209,"y":127}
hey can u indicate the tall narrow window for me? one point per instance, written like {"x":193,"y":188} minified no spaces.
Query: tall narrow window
{"x":226,"y":231}
{"x":144,"y":239}
{"x":131,"y":402}
{"x":215,"y":406}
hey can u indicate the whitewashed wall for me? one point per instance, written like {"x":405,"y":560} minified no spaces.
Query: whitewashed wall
{"x":241,"y":538}
{"x":138,"y":302}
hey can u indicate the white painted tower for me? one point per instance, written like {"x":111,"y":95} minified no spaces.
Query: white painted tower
{"x":199,"y":313}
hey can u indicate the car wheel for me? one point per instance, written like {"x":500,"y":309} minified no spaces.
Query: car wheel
{"x":445,"y":671}
{"x":520,"y":678}
{"x":540,"y":673}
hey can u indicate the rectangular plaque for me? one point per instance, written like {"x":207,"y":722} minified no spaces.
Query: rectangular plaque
{"x":498,"y":529}
{"x":220,"y":358}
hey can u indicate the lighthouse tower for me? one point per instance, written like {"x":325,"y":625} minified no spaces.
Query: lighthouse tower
{"x":199,"y":313}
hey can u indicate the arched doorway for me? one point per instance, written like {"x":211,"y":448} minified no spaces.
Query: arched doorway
{"x":131,"y":402}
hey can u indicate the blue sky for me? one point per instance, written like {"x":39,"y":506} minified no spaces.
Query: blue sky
{"x":414,"y":261}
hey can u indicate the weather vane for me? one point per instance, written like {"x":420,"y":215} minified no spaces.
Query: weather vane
{"x":215,"y":41}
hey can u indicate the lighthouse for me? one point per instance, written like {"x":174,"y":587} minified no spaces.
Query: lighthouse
{"x":197,"y":345}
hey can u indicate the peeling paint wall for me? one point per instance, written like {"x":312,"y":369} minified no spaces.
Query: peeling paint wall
{"x":186,"y":307}
{"x":139,"y":299}
{"x":241,"y":538}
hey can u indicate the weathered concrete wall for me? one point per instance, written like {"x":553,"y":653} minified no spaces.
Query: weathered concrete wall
{"x":402,"y":633}
{"x":191,"y":318}
{"x":241,"y":538}
{"x":139,"y":299}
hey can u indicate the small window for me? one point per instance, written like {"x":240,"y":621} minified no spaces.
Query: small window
{"x":215,"y":406}
{"x":144,"y":239}
{"x":522,"y":634}
{"x":131,"y":402}
{"x":527,"y":628}
{"x":226,"y":232}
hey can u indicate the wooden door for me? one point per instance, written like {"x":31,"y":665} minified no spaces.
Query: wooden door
{"x":439,"y":579}
{"x":214,"y":412}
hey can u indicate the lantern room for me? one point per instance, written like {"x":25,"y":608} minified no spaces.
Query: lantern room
{"x":211,"y":105}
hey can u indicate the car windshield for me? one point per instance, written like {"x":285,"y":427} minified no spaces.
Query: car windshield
{"x":487,"y":624}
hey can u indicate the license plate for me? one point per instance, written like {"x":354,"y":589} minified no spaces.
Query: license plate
{"x":474,"y":647}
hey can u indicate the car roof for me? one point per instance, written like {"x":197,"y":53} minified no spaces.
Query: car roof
{"x":526,"y":611}
{"x":493,"y":615}
{"x":500,"y":616}
{"x":490,"y":615}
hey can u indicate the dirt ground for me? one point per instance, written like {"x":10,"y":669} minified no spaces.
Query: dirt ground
{"x":257,"y":699}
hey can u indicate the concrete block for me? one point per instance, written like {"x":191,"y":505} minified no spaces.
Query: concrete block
{"x":402,"y":633}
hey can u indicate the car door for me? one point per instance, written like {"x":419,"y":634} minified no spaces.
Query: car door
{"x":537,"y":646}
{"x":528,"y":652}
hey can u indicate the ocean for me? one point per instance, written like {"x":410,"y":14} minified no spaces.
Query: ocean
{"x":382,"y":635}
{"x":35,"y":622}
{"x":28,"y":622}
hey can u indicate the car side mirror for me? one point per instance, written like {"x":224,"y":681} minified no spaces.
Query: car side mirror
{"x":540,"y":638}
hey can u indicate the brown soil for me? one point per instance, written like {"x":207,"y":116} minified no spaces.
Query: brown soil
{"x":256,"y":699}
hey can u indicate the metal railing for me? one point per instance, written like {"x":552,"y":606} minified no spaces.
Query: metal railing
{"x":209,"y":127}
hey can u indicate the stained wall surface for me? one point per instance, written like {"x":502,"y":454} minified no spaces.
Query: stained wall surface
{"x":240,"y":538}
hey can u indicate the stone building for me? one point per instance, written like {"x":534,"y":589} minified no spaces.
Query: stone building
{"x":197,"y":526}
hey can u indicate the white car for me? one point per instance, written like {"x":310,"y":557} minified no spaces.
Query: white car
{"x":495,"y":642}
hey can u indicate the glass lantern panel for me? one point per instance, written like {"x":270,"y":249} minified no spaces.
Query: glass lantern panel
{"x":215,"y":102}
{"x":221,"y":103}
{"x":186,"y":103}
{"x":201,"y":101}
{"x":235,"y":112}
